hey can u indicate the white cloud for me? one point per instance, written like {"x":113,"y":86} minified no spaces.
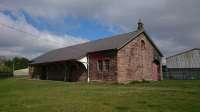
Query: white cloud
{"x":112,"y":10}
{"x":173,"y":24}
{"x":18,"y":43}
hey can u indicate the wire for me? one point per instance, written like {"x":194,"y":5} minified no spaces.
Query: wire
{"x":4,"y":7}
{"x":16,"y":29}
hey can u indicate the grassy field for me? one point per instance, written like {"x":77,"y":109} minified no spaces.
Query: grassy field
{"x":23,"y":95}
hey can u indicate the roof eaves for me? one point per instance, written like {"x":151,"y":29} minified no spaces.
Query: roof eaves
{"x":153,"y":43}
{"x":183,"y":52}
{"x":47,"y":62}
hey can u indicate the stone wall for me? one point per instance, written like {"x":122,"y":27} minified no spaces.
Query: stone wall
{"x":134,"y":61}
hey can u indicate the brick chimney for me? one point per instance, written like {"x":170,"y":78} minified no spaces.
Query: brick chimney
{"x":140,"y":25}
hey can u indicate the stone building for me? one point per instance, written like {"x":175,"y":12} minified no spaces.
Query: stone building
{"x":121,"y":58}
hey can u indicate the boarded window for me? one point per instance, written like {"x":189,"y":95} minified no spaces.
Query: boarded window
{"x":107,"y":65}
{"x":100,"y":65}
{"x":142,"y":44}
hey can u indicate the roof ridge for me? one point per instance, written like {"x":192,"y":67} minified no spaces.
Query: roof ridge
{"x":185,"y":51}
{"x":107,"y":37}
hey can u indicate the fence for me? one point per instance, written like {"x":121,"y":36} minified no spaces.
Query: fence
{"x":5,"y":74}
{"x":181,"y":74}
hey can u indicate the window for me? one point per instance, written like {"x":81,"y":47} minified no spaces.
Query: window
{"x":107,"y":65}
{"x":100,"y":65}
{"x":103,"y":65}
{"x":142,"y":44}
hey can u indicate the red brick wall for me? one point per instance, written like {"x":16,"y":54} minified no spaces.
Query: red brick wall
{"x":95,"y":74}
{"x":135,"y":63}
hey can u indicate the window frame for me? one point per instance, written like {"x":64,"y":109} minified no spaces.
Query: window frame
{"x":103,"y":65}
{"x":100,"y":65}
{"x":106,"y":65}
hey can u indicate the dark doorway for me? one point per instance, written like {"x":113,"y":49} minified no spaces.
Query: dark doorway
{"x":43,"y":75}
{"x":75,"y":71}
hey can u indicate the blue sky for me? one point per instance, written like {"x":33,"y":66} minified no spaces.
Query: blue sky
{"x":32,"y":27}
{"x":79,"y":27}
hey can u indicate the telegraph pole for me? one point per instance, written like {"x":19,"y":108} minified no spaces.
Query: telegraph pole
{"x":13,"y":66}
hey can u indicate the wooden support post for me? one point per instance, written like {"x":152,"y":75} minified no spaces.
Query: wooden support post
{"x":47,"y":72}
{"x":65,"y":78}
{"x":88,"y":70}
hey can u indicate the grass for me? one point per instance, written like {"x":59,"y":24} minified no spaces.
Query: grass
{"x":23,"y":95}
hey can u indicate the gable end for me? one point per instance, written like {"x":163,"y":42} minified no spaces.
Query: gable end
{"x":149,"y":39}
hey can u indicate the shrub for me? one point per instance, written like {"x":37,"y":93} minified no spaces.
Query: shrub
{"x":4,"y":68}
{"x":135,"y":82}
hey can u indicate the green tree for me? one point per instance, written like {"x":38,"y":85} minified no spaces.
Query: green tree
{"x":4,"y":68}
{"x":19,"y":63}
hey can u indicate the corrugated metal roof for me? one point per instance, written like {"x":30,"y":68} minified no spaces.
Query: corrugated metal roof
{"x":78,"y":51}
{"x":183,"y":52}
{"x":187,"y":59}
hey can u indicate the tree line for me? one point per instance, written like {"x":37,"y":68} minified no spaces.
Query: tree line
{"x":15,"y":63}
